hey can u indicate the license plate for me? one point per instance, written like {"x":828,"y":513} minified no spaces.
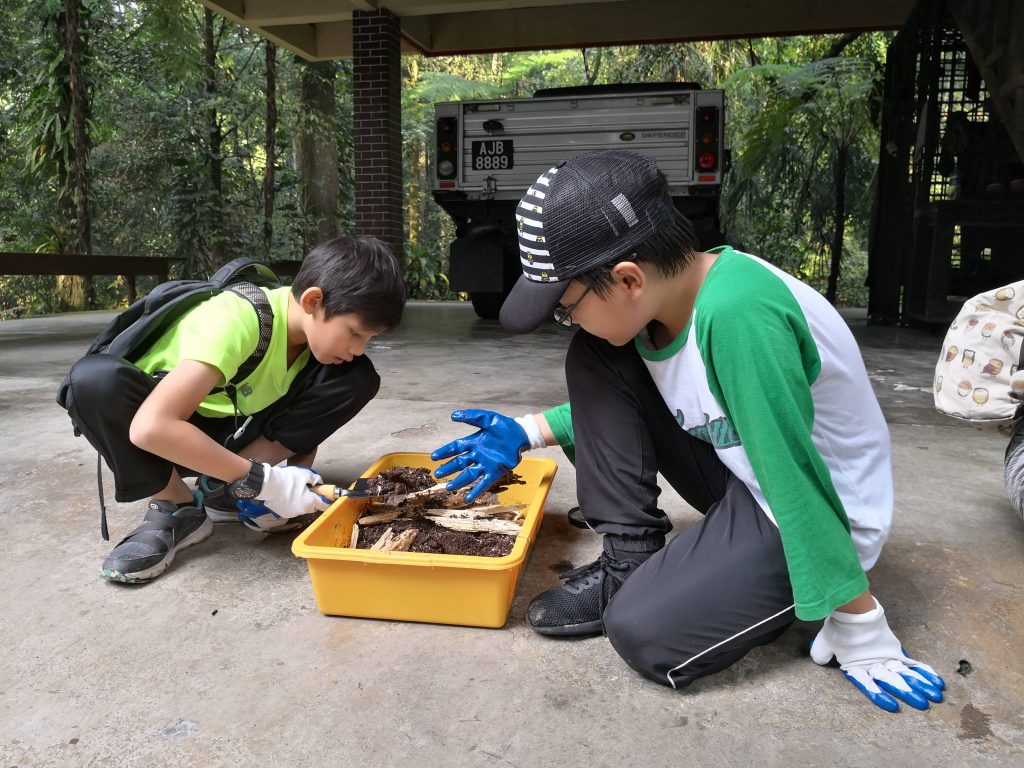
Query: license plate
{"x":492,"y":155}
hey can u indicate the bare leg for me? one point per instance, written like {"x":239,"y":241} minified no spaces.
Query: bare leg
{"x":269,"y":452}
{"x":175,"y":491}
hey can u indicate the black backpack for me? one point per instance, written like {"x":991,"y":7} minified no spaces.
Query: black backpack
{"x":130,"y":333}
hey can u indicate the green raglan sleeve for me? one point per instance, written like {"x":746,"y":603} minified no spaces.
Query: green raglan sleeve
{"x":761,"y":361}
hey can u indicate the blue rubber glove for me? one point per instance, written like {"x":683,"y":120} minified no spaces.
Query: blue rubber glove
{"x":482,"y":457}
{"x":874,"y":661}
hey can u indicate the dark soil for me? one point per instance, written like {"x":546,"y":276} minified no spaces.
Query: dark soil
{"x":435,"y":539}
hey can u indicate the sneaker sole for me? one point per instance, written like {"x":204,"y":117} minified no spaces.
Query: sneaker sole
{"x":138,"y":577}
{"x":586,"y":629}
{"x":218,"y":516}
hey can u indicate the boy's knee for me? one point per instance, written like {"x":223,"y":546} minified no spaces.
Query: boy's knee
{"x":363,"y":379}
{"x":371,"y":379}
{"x":629,"y":635}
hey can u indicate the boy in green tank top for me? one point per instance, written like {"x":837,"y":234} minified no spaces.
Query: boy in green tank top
{"x":164,"y":416}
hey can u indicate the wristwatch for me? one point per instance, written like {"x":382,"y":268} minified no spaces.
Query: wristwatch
{"x":248,"y":487}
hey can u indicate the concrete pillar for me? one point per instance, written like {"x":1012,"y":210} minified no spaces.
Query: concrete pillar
{"x":377,"y":106}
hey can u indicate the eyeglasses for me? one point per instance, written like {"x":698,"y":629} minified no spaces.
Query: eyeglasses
{"x":563,"y":314}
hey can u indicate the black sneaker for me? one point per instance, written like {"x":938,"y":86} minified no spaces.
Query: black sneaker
{"x":149,"y":550}
{"x":219,"y":504}
{"x":575,"y":608}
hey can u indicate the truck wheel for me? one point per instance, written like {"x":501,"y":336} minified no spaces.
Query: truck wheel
{"x":487,"y":305}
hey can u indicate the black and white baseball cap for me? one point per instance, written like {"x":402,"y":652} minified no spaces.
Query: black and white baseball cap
{"x":592,"y":210}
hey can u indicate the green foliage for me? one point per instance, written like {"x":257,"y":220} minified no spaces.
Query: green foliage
{"x":791,"y":103}
{"x":784,"y":160}
{"x":425,"y":276}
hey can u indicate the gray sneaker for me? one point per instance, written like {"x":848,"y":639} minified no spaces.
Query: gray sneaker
{"x":220,"y":506}
{"x":149,"y":550}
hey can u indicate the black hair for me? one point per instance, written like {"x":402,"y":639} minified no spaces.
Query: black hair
{"x":358,"y":275}
{"x":671,"y":248}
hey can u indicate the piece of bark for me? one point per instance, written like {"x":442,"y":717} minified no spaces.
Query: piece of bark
{"x":403,"y":541}
{"x":397,"y":499}
{"x":380,"y":517}
{"x":387,"y":537}
{"x":354,"y":540}
{"x":506,"y":511}
{"x":391,"y":542}
{"x":494,"y":525}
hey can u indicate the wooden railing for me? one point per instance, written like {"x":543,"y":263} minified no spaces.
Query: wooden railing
{"x":14,"y":263}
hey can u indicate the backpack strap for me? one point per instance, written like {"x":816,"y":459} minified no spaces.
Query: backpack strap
{"x":265,"y":316}
{"x":243,"y":268}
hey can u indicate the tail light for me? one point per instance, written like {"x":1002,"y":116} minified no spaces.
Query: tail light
{"x":706,"y":148}
{"x":447,"y":147}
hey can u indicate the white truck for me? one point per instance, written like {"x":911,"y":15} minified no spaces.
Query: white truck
{"x":487,"y":153}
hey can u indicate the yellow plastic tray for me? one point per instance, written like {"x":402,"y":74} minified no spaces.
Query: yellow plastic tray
{"x":414,"y":586}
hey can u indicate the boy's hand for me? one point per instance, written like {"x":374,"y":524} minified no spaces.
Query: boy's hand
{"x":873,"y":660}
{"x":286,"y":491}
{"x":484,"y":456}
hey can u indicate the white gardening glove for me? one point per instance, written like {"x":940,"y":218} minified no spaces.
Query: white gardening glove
{"x":874,"y":661}
{"x":286,"y":491}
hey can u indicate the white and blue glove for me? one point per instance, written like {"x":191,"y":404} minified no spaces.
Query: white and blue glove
{"x":874,"y":661}
{"x":489,"y":453}
{"x":285,"y":494}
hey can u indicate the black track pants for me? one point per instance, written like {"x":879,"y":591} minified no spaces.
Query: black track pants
{"x":716,"y":590}
{"x":106,"y":392}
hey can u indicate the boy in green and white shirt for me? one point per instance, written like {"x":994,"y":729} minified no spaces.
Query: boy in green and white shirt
{"x":745,"y":389}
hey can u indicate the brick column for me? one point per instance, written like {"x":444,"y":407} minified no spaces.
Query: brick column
{"x":377,"y":107}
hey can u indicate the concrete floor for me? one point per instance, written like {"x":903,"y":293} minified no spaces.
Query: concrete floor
{"x":225,"y":661}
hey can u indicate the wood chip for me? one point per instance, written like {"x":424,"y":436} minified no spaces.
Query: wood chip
{"x":354,"y":541}
{"x":403,"y":541}
{"x":399,"y":498}
{"x":493,"y":525}
{"x":498,"y":511}
{"x":380,"y":517}
{"x":392,"y":542}
{"x":510,"y":511}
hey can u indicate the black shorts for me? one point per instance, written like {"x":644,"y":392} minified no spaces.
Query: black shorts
{"x":106,"y":392}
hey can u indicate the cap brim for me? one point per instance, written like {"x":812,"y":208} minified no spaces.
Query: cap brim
{"x":530,"y":304}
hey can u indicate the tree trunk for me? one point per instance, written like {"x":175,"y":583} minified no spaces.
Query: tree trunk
{"x":270,"y":146}
{"x":592,"y":68}
{"x":214,"y":140}
{"x":318,"y":152}
{"x":75,"y":291}
{"x":838,"y":222}
{"x":74,"y":46}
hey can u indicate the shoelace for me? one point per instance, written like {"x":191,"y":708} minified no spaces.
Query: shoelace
{"x":603,"y":563}
{"x":584,"y":572}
